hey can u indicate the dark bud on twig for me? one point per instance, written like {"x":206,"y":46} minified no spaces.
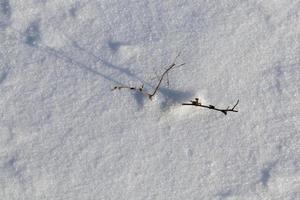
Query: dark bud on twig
{"x":224,"y":111}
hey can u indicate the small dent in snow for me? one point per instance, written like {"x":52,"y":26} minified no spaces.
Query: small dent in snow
{"x":224,"y":194}
{"x":266,"y":173}
{"x":115,"y":45}
{"x":5,"y":13}
{"x":3,"y":76}
{"x":73,"y":11}
{"x":33,"y":34}
{"x":189,"y":153}
{"x":12,"y":166}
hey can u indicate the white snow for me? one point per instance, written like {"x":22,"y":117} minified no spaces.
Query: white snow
{"x":65,"y":135}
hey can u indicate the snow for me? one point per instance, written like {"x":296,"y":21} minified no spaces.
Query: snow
{"x":65,"y":135}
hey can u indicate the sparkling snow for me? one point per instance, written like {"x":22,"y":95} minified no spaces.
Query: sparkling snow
{"x":65,"y":135}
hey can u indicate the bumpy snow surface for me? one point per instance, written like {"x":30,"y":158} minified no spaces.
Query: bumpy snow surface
{"x":65,"y":135}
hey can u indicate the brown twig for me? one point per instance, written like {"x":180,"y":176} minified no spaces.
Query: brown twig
{"x":162,"y":77}
{"x":141,"y":89}
{"x":224,"y":111}
{"x":138,"y":89}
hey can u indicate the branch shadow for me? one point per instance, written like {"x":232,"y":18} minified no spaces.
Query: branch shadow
{"x":140,"y":99}
{"x":172,"y":97}
{"x":108,"y":64}
{"x":62,"y":55}
{"x":115,"y":45}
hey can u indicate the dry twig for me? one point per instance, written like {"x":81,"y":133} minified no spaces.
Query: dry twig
{"x":224,"y":111}
{"x":141,"y":89}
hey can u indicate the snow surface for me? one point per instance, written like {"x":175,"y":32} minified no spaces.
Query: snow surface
{"x":65,"y":135}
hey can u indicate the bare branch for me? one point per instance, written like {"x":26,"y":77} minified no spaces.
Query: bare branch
{"x":141,"y":89}
{"x":162,"y":77}
{"x":137,"y":89}
{"x":224,"y":111}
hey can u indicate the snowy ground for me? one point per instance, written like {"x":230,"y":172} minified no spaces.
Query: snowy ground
{"x":65,"y":135}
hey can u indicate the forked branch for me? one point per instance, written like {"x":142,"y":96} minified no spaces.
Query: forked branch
{"x":141,"y":89}
{"x":224,"y":111}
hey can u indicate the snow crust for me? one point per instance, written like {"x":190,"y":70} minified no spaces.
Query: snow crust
{"x":65,"y":135}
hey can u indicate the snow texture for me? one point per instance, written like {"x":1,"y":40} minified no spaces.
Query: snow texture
{"x":65,"y":135}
